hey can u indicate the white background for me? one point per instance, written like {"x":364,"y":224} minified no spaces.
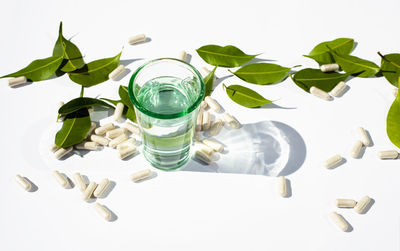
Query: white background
{"x":200,"y":210}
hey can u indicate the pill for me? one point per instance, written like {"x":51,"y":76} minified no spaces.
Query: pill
{"x":389,"y":154}
{"x":89,"y":191}
{"x":17,"y":81}
{"x":103,"y":129}
{"x":320,"y":93}
{"x":101,"y":188}
{"x":338,"y":89}
{"x":339,"y":221}
{"x":204,"y":72}
{"x":205,"y":148}
{"x":199,"y":121}
{"x":137,"y":39}
{"x":115,"y":132}
{"x":79,"y":181}
{"x":356,"y":149}
{"x":92,"y":127}
{"x":132,"y":128}
{"x":202,"y":156}
{"x":116,"y":72}
{"x":395,"y":91}
{"x":206,"y":123}
{"x":345,"y":203}
{"x":127,"y":151}
{"x":362,"y":204}
{"x":333,"y":161}
{"x":212,"y":103}
{"x":87,"y":145}
{"x":62,"y":152}
{"x":128,"y":142}
{"x":140,"y":175}
{"x":60,"y":104}
{"x":329,"y":67}
{"x":61,"y":179}
{"x":118,"y":111}
{"x":99,"y":139}
{"x":102,"y":211}
{"x":54,"y":148}
{"x":282,"y":186}
{"x":203,"y":105}
{"x":182,"y":55}
{"x":216,"y":146}
{"x":230,"y":120}
{"x":23,"y":182}
{"x":363,"y":136}
{"x":216,"y":127}
{"x":118,"y":140}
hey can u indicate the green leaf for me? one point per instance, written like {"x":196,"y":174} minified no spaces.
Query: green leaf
{"x":114,"y":102}
{"x":354,"y":65}
{"x":321,"y":53}
{"x":390,"y":67}
{"x":124,"y":95}
{"x":69,"y":51}
{"x":227,"y":56}
{"x":245,"y":96}
{"x":393,"y":122}
{"x":39,"y":70}
{"x":79,"y":103}
{"x":95,"y":72}
{"x":262,"y":73}
{"x":209,"y":82}
{"x":325,"y":81}
{"x":75,"y":127}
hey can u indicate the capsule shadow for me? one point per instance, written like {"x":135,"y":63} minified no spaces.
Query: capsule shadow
{"x":368,"y":207}
{"x":114,"y":217}
{"x":109,"y":189}
{"x":34,"y":188}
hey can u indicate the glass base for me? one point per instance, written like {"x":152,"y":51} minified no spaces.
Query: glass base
{"x":165,"y":166}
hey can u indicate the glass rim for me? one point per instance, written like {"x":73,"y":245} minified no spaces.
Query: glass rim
{"x":138,"y":106}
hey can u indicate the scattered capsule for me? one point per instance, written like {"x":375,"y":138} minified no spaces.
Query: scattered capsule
{"x":216,"y":146}
{"x":87,"y":145}
{"x":54,"y":148}
{"x":103,"y":129}
{"x":362,"y":205}
{"x":206,"y":123}
{"x":118,"y":140}
{"x":92,"y":127}
{"x":216,"y":127}
{"x":89,"y":191}
{"x":128,"y":142}
{"x":23,"y":182}
{"x":345,"y":203}
{"x":60,"y":104}
{"x":282,"y":186}
{"x":61,"y":179}
{"x":356,"y":149}
{"x":333,"y":161}
{"x":202,"y":156}
{"x":137,"y":39}
{"x":115,"y":133}
{"x":230,"y":120}
{"x":17,"y":81}
{"x":118,"y":111}
{"x":339,"y":221}
{"x":204,"y":71}
{"x":102,"y":211}
{"x":99,"y":139}
{"x":199,"y":121}
{"x":363,"y":136}
{"x":127,"y":151}
{"x":389,"y":154}
{"x":320,"y":93}
{"x":132,"y":128}
{"x":205,"y":148}
{"x":80,"y":181}
{"x":395,"y":91}
{"x":212,"y":104}
{"x":116,"y":72}
{"x":329,"y":67}
{"x":182,"y":56}
{"x":101,"y":188}
{"x":203,"y":105}
{"x":62,"y":152}
{"x":143,"y":174}
{"x":338,"y":89}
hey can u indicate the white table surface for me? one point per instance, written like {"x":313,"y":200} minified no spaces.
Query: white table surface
{"x":185,"y":210}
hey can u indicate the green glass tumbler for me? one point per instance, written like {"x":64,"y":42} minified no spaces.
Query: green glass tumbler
{"x":166,"y":93}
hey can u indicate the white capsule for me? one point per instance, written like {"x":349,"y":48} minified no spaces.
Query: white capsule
{"x":363,"y":136}
{"x":24,"y":183}
{"x":87,"y":145}
{"x":320,"y":93}
{"x":329,"y":67}
{"x":356,"y":149}
{"x":92,"y":127}
{"x":17,"y":81}
{"x":62,"y":152}
{"x":395,"y":91}
{"x":199,"y":121}
{"x":282,"y":186}
{"x":102,"y":211}
{"x":213,"y":104}
{"x":132,"y":128}
{"x":115,"y":133}
{"x":362,"y":204}
{"x":101,"y":188}
{"x":99,"y":139}
{"x":118,"y":140}
{"x":389,"y":154}
{"x":143,"y":174}
{"x":61,"y":179}
{"x":54,"y":148}
{"x":127,"y":151}
{"x":216,"y":146}
{"x":333,"y":161}
{"x":128,"y":142}
{"x":116,"y":72}
{"x":103,"y":129}
{"x":202,"y":156}
{"x":216,"y":127}
{"x":204,"y":71}
{"x":338,"y":89}
{"x":203,"y":105}
{"x":339,"y":221}
{"x":60,"y":104}
{"x":345,"y":203}
{"x":118,"y":111}
{"x":79,"y":181}
{"x":89,"y":191}
{"x":137,"y":39}
{"x":206,"y":123}
{"x":230,"y":120}
{"x":205,"y":148}
{"x":182,"y":56}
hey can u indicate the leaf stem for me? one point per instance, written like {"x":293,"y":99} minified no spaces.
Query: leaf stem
{"x":383,"y":57}
{"x":82,"y":90}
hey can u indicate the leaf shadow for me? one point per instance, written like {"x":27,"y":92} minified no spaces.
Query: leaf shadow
{"x":355,"y":46}
{"x":272,"y":105}
{"x":221,"y":79}
{"x":126,"y":62}
{"x":259,"y":60}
